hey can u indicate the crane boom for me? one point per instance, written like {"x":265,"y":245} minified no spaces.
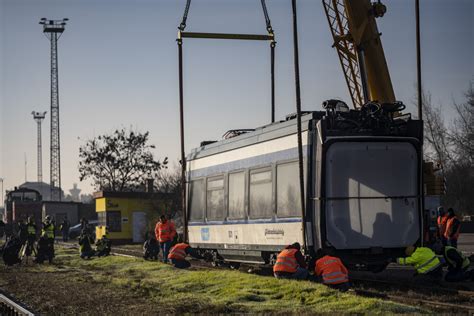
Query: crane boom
{"x":357,"y":41}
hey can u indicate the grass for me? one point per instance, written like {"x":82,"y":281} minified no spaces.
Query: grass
{"x":219,"y":291}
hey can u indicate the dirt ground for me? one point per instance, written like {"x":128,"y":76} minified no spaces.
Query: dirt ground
{"x":70,"y":292}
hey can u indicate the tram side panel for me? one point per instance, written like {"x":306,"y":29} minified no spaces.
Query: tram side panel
{"x":245,"y":202}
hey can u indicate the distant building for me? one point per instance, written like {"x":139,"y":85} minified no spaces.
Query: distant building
{"x":43,"y":188}
{"x":74,"y":192}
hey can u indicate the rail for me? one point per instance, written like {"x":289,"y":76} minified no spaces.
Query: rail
{"x":8,"y":306}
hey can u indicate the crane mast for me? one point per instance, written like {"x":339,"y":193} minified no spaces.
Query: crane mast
{"x":360,"y":51}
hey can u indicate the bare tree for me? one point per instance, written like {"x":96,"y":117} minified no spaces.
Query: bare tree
{"x":462,"y":131}
{"x":436,"y":136}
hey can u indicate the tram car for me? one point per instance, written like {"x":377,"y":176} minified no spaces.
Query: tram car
{"x":362,"y":188}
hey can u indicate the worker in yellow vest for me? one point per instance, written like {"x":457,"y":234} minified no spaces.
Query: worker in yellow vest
{"x":49,"y":233}
{"x":457,"y":263}
{"x":424,"y":260}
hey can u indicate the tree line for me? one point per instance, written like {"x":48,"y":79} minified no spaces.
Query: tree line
{"x":450,"y":144}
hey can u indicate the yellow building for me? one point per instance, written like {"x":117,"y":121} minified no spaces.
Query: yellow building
{"x":126,"y":216}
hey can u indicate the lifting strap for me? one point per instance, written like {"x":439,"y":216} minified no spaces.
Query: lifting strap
{"x":298,"y":118}
{"x":182,"y":34}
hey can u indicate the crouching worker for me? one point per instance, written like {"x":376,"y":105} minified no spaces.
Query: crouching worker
{"x":424,"y":260}
{"x":151,"y":248}
{"x":178,"y":254}
{"x":457,"y":263}
{"x":103,"y":246}
{"x":290,"y":264}
{"x":332,"y":271}
{"x":43,"y":251}
{"x":85,"y":246}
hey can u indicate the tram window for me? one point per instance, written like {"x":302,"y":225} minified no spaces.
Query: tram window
{"x":237,"y":195}
{"x":196,"y":199}
{"x":288,"y":190}
{"x":261,"y":194}
{"x":215,"y":198}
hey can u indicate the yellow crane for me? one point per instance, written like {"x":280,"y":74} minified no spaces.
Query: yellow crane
{"x":359,"y":47}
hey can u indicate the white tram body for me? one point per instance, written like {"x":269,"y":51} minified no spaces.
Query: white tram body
{"x":362,"y":191}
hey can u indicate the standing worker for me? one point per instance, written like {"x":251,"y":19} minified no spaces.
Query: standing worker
{"x":178,"y":254}
{"x":290,"y":264}
{"x":453,"y":226}
{"x":23,"y":231}
{"x":165,"y":232}
{"x":424,"y":260}
{"x":64,"y":228}
{"x":49,"y":233}
{"x":458,"y":264}
{"x":332,"y":271}
{"x":31,"y":238}
{"x":441,"y":221}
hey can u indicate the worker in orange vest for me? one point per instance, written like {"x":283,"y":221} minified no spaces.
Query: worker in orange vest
{"x":290,"y":263}
{"x":332,"y":271}
{"x":453,"y":226}
{"x":441,"y":221}
{"x":165,"y":232}
{"x":178,"y":254}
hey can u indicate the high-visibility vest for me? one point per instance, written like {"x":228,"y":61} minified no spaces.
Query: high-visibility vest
{"x":465,"y":261}
{"x":423,"y":259}
{"x":442,"y":220}
{"x":31,"y":229}
{"x":165,"y":231}
{"x":178,"y":252}
{"x":332,"y":270}
{"x":48,"y":231}
{"x":286,"y":261}
{"x":449,"y":227}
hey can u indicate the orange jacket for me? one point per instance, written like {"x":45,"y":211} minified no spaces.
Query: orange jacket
{"x":449,"y":233}
{"x":286,"y":261}
{"x":442,"y":220}
{"x":165,"y":231}
{"x":332,"y":270}
{"x":178,"y":252}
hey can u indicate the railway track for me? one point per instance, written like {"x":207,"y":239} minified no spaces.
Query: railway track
{"x":432,"y":297}
{"x":9,"y":306}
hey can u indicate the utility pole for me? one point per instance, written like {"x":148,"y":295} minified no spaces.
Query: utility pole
{"x":53,"y":30}
{"x":39,"y":117}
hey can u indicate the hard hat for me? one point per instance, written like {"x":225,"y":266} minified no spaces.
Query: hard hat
{"x":409,"y":250}
{"x":47,"y":217}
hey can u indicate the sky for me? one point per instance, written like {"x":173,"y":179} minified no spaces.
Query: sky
{"x":118,"y":69}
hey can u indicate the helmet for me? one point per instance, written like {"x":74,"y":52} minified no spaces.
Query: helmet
{"x":409,"y":250}
{"x":47,"y":218}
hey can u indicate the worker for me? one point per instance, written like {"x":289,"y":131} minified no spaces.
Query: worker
{"x":178,"y":254}
{"x":453,"y":226}
{"x":31,"y":238}
{"x":165,"y":232}
{"x":85,"y":246}
{"x":332,"y":271}
{"x":290,"y":263}
{"x":64,"y":228}
{"x":424,"y":260}
{"x":103,"y":246}
{"x":441,"y":221}
{"x":22,"y":231}
{"x":151,"y":248}
{"x":49,"y":233}
{"x":11,"y":251}
{"x":458,"y":264}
